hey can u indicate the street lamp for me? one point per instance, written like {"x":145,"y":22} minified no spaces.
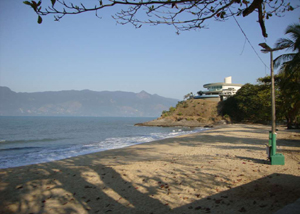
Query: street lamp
{"x":276,"y":159}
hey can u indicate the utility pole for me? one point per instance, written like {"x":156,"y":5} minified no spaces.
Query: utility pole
{"x":276,"y":158}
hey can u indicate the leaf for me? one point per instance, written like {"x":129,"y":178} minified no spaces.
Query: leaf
{"x":40,"y":20}
{"x":26,"y":2}
{"x":53,"y":2}
{"x":223,"y":13}
{"x":34,"y":5}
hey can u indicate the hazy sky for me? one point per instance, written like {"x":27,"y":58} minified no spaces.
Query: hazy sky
{"x":84,"y":52}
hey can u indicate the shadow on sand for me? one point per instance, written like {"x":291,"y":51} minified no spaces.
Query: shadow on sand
{"x":86,"y":184}
{"x":69,"y":191}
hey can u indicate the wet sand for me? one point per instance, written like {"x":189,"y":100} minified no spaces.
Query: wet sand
{"x":221,"y":170}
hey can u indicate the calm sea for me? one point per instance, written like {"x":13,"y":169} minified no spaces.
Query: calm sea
{"x":31,"y":140}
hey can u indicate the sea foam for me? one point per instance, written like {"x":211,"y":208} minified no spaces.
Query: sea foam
{"x":10,"y":157}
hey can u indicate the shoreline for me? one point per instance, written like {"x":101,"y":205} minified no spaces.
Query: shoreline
{"x":220,"y":170}
{"x":178,"y":133}
{"x":167,"y":122}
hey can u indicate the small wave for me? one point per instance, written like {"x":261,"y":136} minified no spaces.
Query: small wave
{"x":31,"y":140}
{"x":19,"y":148}
{"x":35,"y":155}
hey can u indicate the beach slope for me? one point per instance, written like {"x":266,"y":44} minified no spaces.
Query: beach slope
{"x":221,"y":170}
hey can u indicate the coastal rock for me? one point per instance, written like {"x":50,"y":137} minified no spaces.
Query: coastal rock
{"x":190,"y":113}
{"x":167,"y":122}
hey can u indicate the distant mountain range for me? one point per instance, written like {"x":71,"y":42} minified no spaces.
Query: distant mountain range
{"x":83,"y":103}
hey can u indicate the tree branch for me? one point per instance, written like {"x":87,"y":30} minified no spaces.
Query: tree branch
{"x":182,"y":14}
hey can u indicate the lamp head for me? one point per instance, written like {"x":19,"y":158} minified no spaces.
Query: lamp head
{"x":265,"y":46}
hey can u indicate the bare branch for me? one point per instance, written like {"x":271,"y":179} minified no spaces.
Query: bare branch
{"x":182,"y":14}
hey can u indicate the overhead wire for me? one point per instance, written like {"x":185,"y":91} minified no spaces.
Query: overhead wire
{"x":243,"y":47}
{"x":249,"y":41}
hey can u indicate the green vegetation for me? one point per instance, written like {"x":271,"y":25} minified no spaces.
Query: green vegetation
{"x":253,"y":102}
{"x":179,"y":103}
{"x":168,"y":113}
{"x":202,"y":111}
{"x":188,"y":96}
{"x":172,"y":109}
{"x":164,"y":114}
{"x":185,"y":105}
{"x":227,"y":118}
{"x":199,"y":119}
{"x":289,"y":76}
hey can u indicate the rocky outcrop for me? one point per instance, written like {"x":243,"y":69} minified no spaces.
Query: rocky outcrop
{"x":189,"y":113}
{"x":167,"y":122}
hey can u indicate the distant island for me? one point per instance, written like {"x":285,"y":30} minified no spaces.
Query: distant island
{"x":83,"y":103}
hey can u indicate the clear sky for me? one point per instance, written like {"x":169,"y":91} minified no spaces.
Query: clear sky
{"x":84,"y":52}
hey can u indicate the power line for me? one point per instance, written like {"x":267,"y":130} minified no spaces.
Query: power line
{"x":243,"y":47}
{"x":248,"y":40}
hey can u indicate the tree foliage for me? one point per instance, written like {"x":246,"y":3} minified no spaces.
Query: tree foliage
{"x":200,"y":93}
{"x":289,"y":75}
{"x":252,"y":103}
{"x":182,"y":14}
{"x":290,"y":63}
{"x":188,"y":96}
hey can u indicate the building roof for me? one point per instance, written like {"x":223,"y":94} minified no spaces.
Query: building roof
{"x":221,"y":84}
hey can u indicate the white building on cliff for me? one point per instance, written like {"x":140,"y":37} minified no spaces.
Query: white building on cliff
{"x":219,"y":91}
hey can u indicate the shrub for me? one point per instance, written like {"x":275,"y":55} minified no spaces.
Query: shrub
{"x":185,"y":105}
{"x":165,"y":114}
{"x":226,"y":117}
{"x":179,"y":114}
{"x":172,"y":109}
{"x":179,"y":103}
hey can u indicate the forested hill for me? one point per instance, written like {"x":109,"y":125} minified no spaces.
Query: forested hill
{"x":82,"y":103}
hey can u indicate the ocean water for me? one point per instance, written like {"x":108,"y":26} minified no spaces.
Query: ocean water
{"x":32,"y":140}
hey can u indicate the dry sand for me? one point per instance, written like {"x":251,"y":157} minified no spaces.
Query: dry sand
{"x":222,"y":170}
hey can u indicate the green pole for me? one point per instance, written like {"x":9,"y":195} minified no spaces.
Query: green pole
{"x":273,"y":148}
{"x":273,"y":98}
{"x":276,"y":159}
{"x":270,"y":138}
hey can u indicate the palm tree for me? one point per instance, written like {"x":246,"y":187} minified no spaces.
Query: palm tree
{"x":289,"y":75}
{"x":290,"y":62}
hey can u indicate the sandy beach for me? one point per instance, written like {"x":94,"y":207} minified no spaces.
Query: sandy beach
{"x":221,"y":170}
